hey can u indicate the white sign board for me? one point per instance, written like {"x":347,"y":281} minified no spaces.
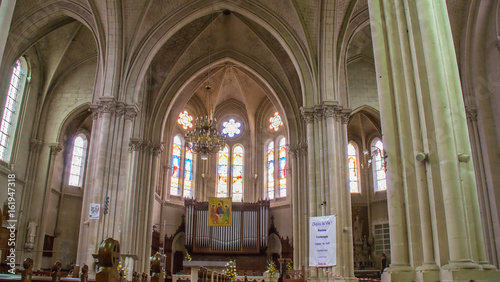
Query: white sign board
{"x":322,"y":241}
{"x":95,"y":210}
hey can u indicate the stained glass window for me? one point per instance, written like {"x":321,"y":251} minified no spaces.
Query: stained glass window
{"x":231,"y":128}
{"x":176,"y":161}
{"x":282,"y":158}
{"x":270,"y":170}
{"x":222,"y":163}
{"x":188,"y":174}
{"x":275,"y":122}
{"x":185,"y":120}
{"x":11,"y":111}
{"x":237,"y":174}
{"x":380,"y":177}
{"x":77,"y":162}
{"x":352,"y":166}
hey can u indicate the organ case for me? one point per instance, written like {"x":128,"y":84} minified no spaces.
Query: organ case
{"x":248,"y":233}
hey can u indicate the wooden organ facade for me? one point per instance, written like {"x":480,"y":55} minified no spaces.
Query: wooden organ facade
{"x":248,"y":233}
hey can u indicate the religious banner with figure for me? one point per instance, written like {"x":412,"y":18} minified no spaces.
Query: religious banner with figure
{"x":219,"y":211}
{"x":322,"y":241}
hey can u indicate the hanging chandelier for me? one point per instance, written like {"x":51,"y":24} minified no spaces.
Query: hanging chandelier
{"x":204,"y":138}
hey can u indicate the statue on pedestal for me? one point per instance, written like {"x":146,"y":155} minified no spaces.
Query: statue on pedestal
{"x":30,"y":235}
{"x":358,"y":230}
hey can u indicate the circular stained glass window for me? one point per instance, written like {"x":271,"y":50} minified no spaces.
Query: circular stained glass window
{"x":231,"y":128}
{"x":275,"y":122}
{"x":185,"y":120}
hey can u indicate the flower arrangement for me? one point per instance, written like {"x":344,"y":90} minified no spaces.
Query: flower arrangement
{"x":271,"y":267}
{"x":230,"y":270}
{"x":289,"y":266}
{"x":187,"y":256}
{"x":123,"y":270}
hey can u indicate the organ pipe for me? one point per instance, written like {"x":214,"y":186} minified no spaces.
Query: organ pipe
{"x":247,"y":234}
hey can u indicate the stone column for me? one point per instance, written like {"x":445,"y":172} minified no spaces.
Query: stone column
{"x":106,"y":177}
{"x":344,"y":195}
{"x":6,"y":13}
{"x":139,"y":201}
{"x":422,"y":115}
{"x":338,"y":196}
{"x":320,"y":158}
{"x":487,"y":217}
{"x":26,"y":210}
{"x":42,"y":198}
{"x":308,"y":117}
{"x":380,"y":20}
{"x":300,"y":199}
{"x":295,"y":206}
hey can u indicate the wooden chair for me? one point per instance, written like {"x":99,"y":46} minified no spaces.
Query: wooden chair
{"x":85,"y":273}
{"x":56,"y":271}
{"x":27,"y":273}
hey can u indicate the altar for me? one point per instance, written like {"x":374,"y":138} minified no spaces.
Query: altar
{"x":217,"y":266}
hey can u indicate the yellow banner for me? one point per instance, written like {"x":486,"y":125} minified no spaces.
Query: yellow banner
{"x":219,"y":212}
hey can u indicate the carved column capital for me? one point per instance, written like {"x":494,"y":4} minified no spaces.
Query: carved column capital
{"x":343,"y":114}
{"x":329,"y":111}
{"x":131,"y":112}
{"x":298,"y":150}
{"x":292,"y":152}
{"x":318,"y":113}
{"x":307,"y":115}
{"x":110,"y":106}
{"x":55,"y":148}
{"x":157,"y":148}
{"x":135,"y":144}
{"x":107,"y":106}
{"x":104,"y":106}
{"x":36,"y":145}
{"x":94,"y":108}
{"x":345,"y":118}
{"x":119,"y":109}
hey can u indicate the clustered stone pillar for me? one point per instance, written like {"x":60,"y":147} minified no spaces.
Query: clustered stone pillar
{"x":140,"y":193}
{"x":106,"y":177}
{"x":26,"y":212}
{"x":41,"y":190}
{"x":298,"y":153}
{"x":327,"y":188}
{"x":432,"y":200}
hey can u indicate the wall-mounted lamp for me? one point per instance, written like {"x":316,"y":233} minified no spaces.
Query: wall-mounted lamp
{"x":422,"y":156}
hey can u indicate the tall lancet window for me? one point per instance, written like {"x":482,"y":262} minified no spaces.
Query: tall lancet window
{"x":222,"y":166}
{"x":237,"y":187}
{"x":188,"y":174}
{"x":77,"y":162}
{"x":11,"y":110}
{"x":282,"y":158}
{"x":379,"y":170}
{"x":181,"y":179}
{"x":270,"y":170}
{"x":176,"y":162}
{"x":352,"y":158}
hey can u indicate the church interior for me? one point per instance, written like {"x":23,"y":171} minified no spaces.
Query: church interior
{"x":133,"y":120}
